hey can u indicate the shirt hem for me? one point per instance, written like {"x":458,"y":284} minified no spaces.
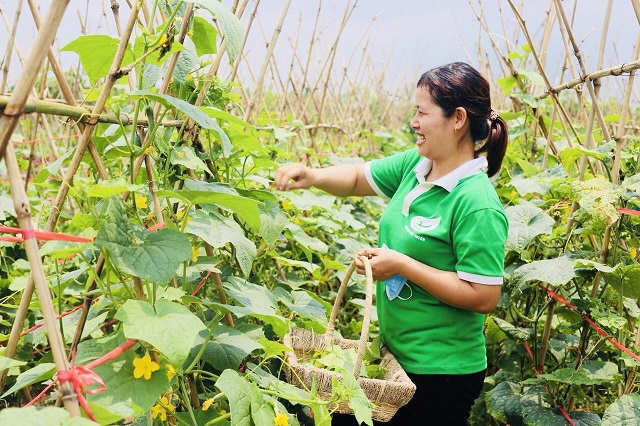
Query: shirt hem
{"x":445,"y":369}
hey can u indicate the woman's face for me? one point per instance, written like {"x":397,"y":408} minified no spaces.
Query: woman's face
{"x":435,"y":132}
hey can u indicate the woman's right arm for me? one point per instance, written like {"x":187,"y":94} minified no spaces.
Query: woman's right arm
{"x":344,"y":180}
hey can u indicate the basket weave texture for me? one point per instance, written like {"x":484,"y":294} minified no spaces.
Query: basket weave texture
{"x":388,"y":394}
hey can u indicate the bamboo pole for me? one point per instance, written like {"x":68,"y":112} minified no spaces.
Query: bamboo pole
{"x":257,"y":90}
{"x":23,"y":213}
{"x":13,"y":111}
{"x":81,"y":114}
{"x":9,"y":49}
{"x":66,"y":91}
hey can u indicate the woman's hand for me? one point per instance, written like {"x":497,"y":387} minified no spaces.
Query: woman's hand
{"x":385,"y":262}
{"x":301,"y":175}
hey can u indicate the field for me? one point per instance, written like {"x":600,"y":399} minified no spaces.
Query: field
{"x":149,"y":270}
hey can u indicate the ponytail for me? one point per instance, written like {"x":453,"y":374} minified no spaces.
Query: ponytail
{"x":496,"y":143}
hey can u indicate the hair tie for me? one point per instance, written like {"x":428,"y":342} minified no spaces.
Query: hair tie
{"x":493,"y":115}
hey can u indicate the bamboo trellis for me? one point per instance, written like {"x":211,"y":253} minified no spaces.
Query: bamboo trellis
{"x":307,"y":89}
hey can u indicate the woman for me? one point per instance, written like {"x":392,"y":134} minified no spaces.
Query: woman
{"x":444,"y":231}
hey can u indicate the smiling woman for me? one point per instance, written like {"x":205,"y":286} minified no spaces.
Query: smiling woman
{"x":444,"y":231}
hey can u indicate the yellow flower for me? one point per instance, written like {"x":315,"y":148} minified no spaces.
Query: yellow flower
{"x":149,"y":149}
{"x":180,"y":154}
{"x":171,"y":372}
{"x":281,"y":420}
{"x":144,"y":367}
{"x":141,"y":201}
{"x":223,"y":412}
{"x":163,"y":39}
{"x":207,"y":404}
{"x":160,"y":410}
{"x":633,"y":253}
{"x":194,"y":254}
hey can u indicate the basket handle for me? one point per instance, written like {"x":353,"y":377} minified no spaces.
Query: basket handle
{"x":364,"y":334}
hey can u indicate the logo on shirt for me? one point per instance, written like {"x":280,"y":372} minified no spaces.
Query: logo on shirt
{"x":422,"y":224}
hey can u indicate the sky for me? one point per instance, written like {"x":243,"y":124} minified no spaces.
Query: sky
{"x":406,"y":38}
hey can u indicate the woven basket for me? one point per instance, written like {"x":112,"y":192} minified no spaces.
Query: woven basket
{"x":387,"y":394}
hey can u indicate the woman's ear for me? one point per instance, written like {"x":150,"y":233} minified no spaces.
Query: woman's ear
{"x":460,"y":115}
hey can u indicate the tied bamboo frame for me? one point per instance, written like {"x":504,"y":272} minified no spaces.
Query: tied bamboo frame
{"x":324,"y":106}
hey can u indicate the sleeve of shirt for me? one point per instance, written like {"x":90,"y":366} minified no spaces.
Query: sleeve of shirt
{"x":479,"y":244}
{"x":385,"y":174}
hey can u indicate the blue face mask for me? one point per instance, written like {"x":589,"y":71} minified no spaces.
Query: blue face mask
{"x":394,"y":284}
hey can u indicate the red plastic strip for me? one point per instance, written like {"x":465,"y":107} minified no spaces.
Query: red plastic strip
{"x":593,"y":325}
{"x":629,"y":211}
{"x":40,"y":235}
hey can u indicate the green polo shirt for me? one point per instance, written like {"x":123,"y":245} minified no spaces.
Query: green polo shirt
{"x":453,"y":224}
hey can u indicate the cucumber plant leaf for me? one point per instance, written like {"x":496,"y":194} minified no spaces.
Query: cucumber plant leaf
{"x":625,"y":411}
{"x":37,"y":416}
{"x":625,"y":279}
{"x":168,"y":326}
{"x":554,"y":272}
{"x":96,"y":52}
{"x":239,"y":394}
{"x":227,"y":348}
{"x":231,"y":26}
{"x":204,"y":36}
{"x":39,"y":373}
{"x":526,"y":221}
{"x":218,"y":230}
{"x":152,"y":256}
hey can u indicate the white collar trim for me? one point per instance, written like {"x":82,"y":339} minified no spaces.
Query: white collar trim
{"x":447,"y":182}
{"x":451,"y":179}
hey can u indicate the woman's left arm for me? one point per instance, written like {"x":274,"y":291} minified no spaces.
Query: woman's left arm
{"x":445,"y":286}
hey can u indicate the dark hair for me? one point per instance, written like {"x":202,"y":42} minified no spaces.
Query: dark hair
{"x":460,"y":85}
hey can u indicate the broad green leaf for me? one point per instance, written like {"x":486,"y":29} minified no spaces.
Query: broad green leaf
{"x":152,"y":256}
{"x":53,"y":168}
{"x":305,"y":240}
{"x":187,"y":157}
{"x":515,"y":333}
{"x":554,"y":272}
{"x":218,"y":230}
{"x":6,"y":363}
{"x":109,"y":188}
{"x":225,"y":116}
{"x":585,"y":418}
{"x":302,"y":303}
{"x":228,"y":348}
{"x":540,"y":183}
{"x":238,"y":391}
{"x":39,"y":373}
{"x":526,"y":221}
{"x":532,"y":76}
{"x":528,"y":168}
{"x":595,"y":373}
{"x":625,"y":411}
{"x":507,"y":84}
{"x":597,"y":197}
{"x":272,"y":222}
{"x":42,"y":415}
{"x":168,"y":326}
{"x":187,"y":61}
{"x":96,"y":52}
{"x":231,"y":27}
{"x":6,"y":206}
{"x":204,"y":36}
{"x":572,"y":154}
{"x":191,"y":111}
{"x":625,"y":280}
{"x":537,"y":415}
{"x":244,"y":207}
{"x":358,"y":401}
{"x":530,"y":100}
{"x":261,"y":412}
{"x":504,"y":402}
{"x":272,"y":348}
{"x":307,"y":200}
{"x":310,"y":267}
